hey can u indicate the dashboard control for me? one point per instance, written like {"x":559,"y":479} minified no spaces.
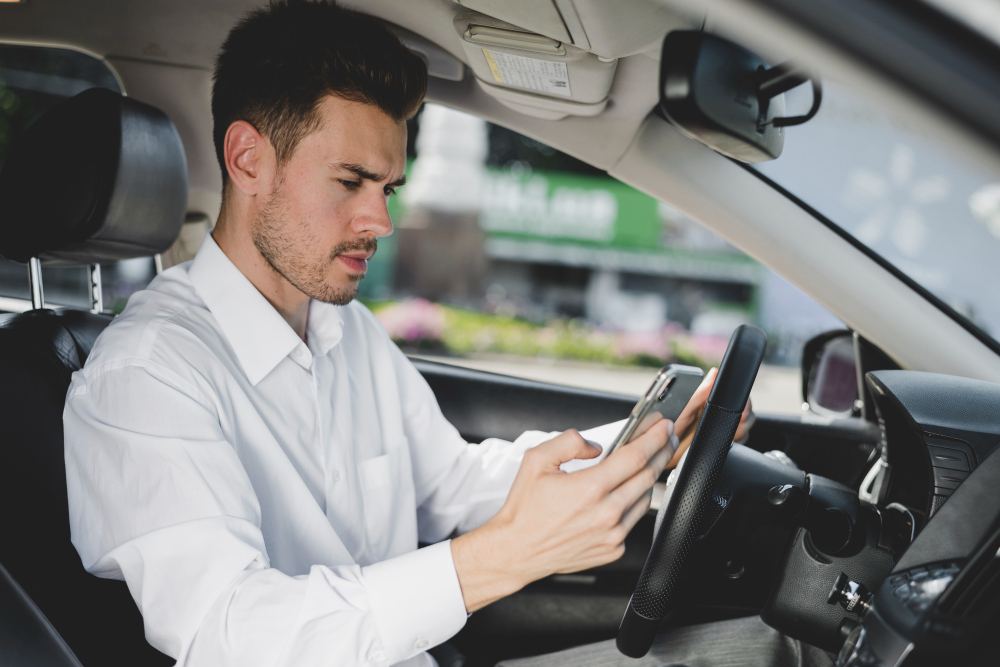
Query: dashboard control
{"x":857,"y":651}
{"x":852,"y":596}
{"x":829,"y":528}
{"x":900,"y":615}
{"x":917,"y":588}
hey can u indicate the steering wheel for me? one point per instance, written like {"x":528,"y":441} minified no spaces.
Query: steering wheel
{"x":681,"y":519}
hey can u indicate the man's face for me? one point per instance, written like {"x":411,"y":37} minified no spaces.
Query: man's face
{"x":319,"y":224}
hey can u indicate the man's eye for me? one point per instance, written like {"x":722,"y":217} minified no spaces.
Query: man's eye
{"x":389,"y":191}
{"x":350,"y":185}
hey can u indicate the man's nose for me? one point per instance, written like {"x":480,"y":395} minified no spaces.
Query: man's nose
{"x":373,"y":216}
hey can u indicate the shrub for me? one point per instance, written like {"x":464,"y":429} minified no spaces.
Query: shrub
{"x":418,"y":325}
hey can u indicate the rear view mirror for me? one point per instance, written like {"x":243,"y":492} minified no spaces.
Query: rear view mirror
{"x":727,"y":97}
{"x":830,"y":375}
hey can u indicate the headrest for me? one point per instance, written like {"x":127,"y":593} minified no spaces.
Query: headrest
{"x":98,"y":178}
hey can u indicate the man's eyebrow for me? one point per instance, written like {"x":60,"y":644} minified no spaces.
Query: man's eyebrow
{"x":367,"y":174}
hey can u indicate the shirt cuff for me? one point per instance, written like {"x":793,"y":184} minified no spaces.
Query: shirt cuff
{"x":416,"y":600}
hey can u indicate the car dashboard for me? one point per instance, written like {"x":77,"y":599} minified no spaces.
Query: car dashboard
{"x":936,"y":430}
{"x":942,"y":598}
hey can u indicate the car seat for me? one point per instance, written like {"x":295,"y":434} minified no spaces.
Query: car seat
{"x":98,"y":178}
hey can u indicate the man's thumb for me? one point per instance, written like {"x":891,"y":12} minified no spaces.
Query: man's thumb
{"x":565,"y":447}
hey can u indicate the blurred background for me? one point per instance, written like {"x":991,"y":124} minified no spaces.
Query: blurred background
{"x":512,"y":257}
{"x":508,"y":256}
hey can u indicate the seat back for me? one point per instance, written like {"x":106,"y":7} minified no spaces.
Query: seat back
{"x":39,"y":351}
{"x":102,"y":216}
{"x":26,"y":636}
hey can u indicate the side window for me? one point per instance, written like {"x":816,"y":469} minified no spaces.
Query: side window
{"x":32,"y":80}
{"x":512,"y":257}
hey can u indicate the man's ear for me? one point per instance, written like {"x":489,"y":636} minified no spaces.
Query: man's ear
{"x":246,"y":153}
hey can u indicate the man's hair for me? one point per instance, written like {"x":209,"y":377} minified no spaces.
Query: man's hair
{"x":280,"y":61}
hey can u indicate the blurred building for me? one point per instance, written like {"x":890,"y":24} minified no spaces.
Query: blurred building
{"x":592,"y":247}
{"x":537,"y":242}
{"x":440,"y":243}
{"x":495,"y":221}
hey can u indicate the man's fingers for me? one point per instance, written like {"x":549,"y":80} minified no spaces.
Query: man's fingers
{"x":689,"y":416}
{"x":564,"y":447}
{"x":636,"y":512}
{"x":616,"y":537}
{"x":632,"y":490}
{"x":631,"y":458}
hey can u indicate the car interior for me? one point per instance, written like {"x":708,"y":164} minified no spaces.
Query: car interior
{"x":873,"y":533}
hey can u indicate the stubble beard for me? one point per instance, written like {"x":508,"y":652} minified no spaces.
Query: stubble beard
{"x":287,"y":258}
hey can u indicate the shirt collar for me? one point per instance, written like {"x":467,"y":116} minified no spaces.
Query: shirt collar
{"x":258,"y":334}
{"x":324,"y":327}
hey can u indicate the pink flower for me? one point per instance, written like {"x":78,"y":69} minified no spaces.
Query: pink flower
{"x":653,"y":344}
{"x":413,"y":320}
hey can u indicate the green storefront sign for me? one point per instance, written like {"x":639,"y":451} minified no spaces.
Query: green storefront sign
{"x":569,"y":208}
{"x":587,"y":221}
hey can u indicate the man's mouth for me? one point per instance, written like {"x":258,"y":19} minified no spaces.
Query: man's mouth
{"x":357,"y":262}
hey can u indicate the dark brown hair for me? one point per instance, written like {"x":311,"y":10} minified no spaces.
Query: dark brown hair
{"x":279,"y":61}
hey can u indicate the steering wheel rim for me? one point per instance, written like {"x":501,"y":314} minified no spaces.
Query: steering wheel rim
{"x":685,"y":510}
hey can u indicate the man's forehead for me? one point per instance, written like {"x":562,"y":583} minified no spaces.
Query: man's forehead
{"x":337,"y":115}
{"x":362,"y":135}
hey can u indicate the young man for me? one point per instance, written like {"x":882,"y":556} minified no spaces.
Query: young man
{"x":246,"y":447}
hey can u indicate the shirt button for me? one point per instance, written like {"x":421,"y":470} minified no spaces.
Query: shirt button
{"x":421,"y":643}
{"x":335,"y":475}
{"x":297,"y":353}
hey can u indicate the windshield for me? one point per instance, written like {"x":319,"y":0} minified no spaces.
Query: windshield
{"x":925,"y":209}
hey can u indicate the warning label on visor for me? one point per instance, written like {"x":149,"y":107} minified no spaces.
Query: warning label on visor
{"x":544,"y":76}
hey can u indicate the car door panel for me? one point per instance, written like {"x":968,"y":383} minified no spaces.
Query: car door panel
{"x":488,"y":405}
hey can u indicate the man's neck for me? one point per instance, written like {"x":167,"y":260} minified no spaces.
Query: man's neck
{"x":290,"y":303}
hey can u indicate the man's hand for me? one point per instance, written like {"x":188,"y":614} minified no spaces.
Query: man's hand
{"x":689,"y":417}
{"x":555,"y":521}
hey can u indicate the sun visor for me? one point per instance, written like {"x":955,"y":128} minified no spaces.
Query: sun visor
{"x":534,"y":74}
{"x":608,"y":28}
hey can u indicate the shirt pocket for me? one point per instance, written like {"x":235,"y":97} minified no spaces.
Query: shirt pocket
{"x":390,"y":514}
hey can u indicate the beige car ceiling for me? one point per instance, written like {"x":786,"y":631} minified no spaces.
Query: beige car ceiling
{"x":163,"y":52}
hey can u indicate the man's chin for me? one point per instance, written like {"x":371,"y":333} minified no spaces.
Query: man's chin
{"x":341,"y":294}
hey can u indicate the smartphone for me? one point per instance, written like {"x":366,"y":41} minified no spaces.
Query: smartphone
{"x":670,"y":392}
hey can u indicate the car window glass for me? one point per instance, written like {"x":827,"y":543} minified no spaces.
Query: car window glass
{"x":512,"y":257}
{"x":920,"y":206}
{"x":32,"y":80}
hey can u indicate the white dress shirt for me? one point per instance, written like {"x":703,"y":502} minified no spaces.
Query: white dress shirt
{"x":263,"y":497}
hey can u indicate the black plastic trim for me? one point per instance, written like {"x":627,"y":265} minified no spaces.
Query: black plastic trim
{"x":26,"y":635}
{"x":964,"y":322}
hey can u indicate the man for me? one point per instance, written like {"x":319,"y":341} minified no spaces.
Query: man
{"x":246,"y":447}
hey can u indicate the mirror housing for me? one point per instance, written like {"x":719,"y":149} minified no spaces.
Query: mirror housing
{"x":727,"y":97}
{"x":830,"y":374}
